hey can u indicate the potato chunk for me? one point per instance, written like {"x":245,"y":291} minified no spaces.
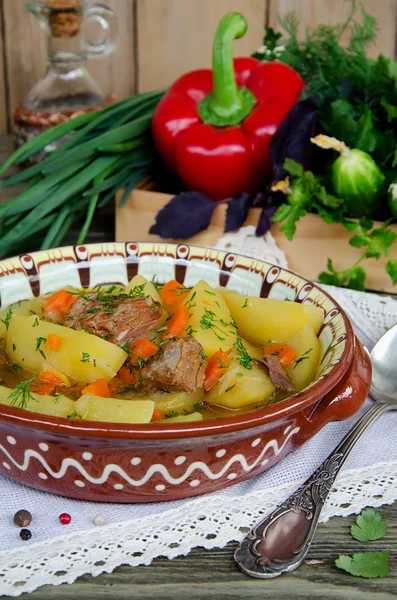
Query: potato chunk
{"x":240,"y":387}
{"x":24,"y":308}
{"x":45,"y":405}
{"x":308,"y":352}
{"x":196,"y":416}
{"x":261,"y":320}
{"x":210,"y":321}
{"x":82,"y":356}
{"x":113,"y":410}
{"x":178,"y":401}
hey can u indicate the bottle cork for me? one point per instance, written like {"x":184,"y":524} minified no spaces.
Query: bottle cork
{"x":65,"y":17}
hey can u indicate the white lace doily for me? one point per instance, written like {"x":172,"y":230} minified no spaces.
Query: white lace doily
{"x":136,"y":534}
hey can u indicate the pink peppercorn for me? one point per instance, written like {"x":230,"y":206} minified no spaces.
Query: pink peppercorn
{"x":65,"y":518}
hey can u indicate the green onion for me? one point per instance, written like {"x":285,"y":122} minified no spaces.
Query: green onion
{"x":100,"y":153}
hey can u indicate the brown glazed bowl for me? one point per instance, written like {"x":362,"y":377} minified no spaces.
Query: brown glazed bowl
{"x":145,"y":463}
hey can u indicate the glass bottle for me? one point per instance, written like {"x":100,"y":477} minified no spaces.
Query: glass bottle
{"x":67,"y":89}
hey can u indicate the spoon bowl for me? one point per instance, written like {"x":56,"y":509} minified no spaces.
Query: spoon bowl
{"x":384,"y":367}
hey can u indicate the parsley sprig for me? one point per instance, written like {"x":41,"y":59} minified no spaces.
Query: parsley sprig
{"x":369,"y":526}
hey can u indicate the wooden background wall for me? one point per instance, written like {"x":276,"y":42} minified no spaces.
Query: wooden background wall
{"x":161,"y":39}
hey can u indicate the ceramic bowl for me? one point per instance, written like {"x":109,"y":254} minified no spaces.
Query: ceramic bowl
{"x":143,"y":463}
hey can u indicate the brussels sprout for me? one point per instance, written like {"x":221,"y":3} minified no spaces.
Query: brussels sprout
{"x":355,"y":177}
{"x":392,"y":197}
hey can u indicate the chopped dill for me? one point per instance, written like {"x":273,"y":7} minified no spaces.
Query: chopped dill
{"x":21,"y":394}
{"x":40,"y":340}
{"x":171,"y":414}
{"x":7,"y":319}
{"x":244,"y":359}
{"x":74,"y":415}
{"x":198,"y":406}
{"x":304,"y":356}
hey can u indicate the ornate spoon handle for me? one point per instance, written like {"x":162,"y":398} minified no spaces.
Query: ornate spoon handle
{"x":279,"y":543}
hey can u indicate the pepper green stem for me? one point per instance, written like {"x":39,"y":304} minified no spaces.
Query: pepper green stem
{"x":227,"y":104}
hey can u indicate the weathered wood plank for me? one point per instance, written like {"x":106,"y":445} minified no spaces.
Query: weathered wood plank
{"x":175,"y":37}
{"x":330,"y":12}
{"x":116,"y":73}
{"x":3,"y":94}
{"x":25,"y":52}
{"x":213,"y":574}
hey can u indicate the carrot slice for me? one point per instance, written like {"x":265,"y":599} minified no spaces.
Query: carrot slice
{"x":100,"y":387}
{"x":216,"y":366}
{"x":43,"y":389}
{"x":59,"y":302}
{"x":178,"y":323}
{"x":48,"y":376}
{"x":54,"y":342}
{"x":156,"y":415}
{"x":285,"y":354}
{"x":173,"y":293}
{"x":142,"y":349}
{"x":127,"y":376}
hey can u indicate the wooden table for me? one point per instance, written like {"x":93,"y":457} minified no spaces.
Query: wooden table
{"x":212,"y":573}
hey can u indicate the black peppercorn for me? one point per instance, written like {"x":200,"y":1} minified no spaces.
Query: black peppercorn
{"x":22,"y":518}
{"x":25,"y":534}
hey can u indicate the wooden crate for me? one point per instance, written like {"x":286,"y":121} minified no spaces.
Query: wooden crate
{"x":307,"y":254}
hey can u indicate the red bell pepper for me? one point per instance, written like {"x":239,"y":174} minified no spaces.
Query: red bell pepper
{"x":214,"y":127}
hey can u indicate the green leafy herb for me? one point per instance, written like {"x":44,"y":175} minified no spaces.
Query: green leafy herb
{"x":35,"y":322}
{"x":203,"y":354}
{"x":229,"y":388}
{"x":221,"y":364}
{"x":208,"y":321}
{"x":304,"y":356}
{"x":245,"y":303}
{"x":85,"y":357}
{"x":21,"y":394}
{"x":160,"y":329}
{"x":239,"y":374}
{"x":369,"y":526}
{"x":16,"y":367}
{"x":7,"y":319}
{"x":137,"y":291}
{"x":126,"y":348}
{"x":365,"y":564}
{"x":14,"y":347}
{"x":74,"y":415}
{"x":190,"y":330}
{"x":244,"y":358}
{"x":391,"y":268}
{"x":39,"y":341}
{"x":171,"y":414}
{"x":57,"y":399}
{"x":198,"y":407}
{"x":210,"y":293}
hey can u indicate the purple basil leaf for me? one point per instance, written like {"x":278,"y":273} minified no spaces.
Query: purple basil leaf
{"x":184,"y":216}
{"x":292,"y":139}
{"x":237,"y":212}
{"x":269,"y":209}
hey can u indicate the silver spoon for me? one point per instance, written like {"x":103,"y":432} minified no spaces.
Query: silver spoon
{"x":279,"y":543}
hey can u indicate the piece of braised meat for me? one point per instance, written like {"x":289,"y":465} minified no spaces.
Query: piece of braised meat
{"x":278,"y":376}
{"x":179,"y":366}
{"x":119,"y":319}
